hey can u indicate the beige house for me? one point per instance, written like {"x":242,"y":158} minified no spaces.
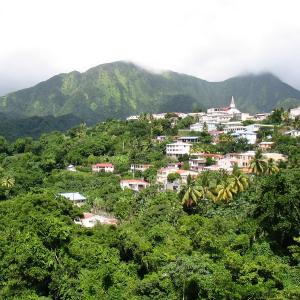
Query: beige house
{"x":103,"y":167}
{"x":134,"y":184}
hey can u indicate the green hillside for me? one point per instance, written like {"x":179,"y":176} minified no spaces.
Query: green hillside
{"x":12,"y":127}
{"x":120,"y":89}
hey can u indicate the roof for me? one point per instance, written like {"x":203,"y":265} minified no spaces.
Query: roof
{"x":73,"y":196}
{"x":207,"y":154}
{"x":134,"y":181}
{"x":103,"y":165}
{"x":188,"y":137}
{"x":266,"y":143}
{"x":178,"y":143}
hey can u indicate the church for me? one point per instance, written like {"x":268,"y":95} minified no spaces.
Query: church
{"x":229,"y":110}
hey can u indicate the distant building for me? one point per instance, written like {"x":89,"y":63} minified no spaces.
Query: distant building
{"x":162,"y":177}
{"x":275,"y":156}
{"x":295,"y":112}
{"x":161,"y":138}
{"x":90,"y":220}
{"x":250,"y":136}
{"x":76,"y":198}
{"x":265,"y":145}
{"x":293,"y":133}
{"x":210,"y":125}
{"x":132,"y":118}
{"x":71,"y":168}
{"x":134,"y":184}
{"x":103,"y":167}
{"x":140,"y":167}
{"x":188,"y":139}
{"x":260,"y":116}
{"x":178,"y":149}
{"x":230,"y":110}
{"x":233,"y":127}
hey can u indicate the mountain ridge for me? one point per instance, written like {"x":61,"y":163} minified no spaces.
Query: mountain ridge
{"x":119,"y":89}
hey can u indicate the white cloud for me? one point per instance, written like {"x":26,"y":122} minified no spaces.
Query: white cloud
{"x":209,"y":39}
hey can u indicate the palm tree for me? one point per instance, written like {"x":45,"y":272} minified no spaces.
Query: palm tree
{"x":226,"y":190}
{"x":8,"y":182}
{"x":190,"y":193}
{"x":239,"y":179}
{"x":81,"y":130}
{"x":207,"y":187}
{"x":271,"y":167}
{"x":258,"y":164}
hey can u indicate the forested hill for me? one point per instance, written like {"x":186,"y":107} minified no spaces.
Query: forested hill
{"x":120,"y":89}
{"x":13,"y":127}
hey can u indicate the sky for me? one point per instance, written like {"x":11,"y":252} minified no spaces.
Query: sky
{"x":210,"y":39}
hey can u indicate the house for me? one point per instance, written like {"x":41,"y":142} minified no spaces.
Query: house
{"x":213,"y":156}
{"x":211,"y":125}
{"x":243,"y":159}
{"x":255,"y":127}
{"x":76,"y":198}
{"x":188,"y":139}
{"x":103,"y":167}
{"x":250,"y":136}
{"x":221,"y":162}
{"x":132,"y":118}
{"x":139,"y":167}
{"x":265,"y":145}
{"x":71,"y":168}
{"x":293,"y":133}
{"x":197,"y":164}
{"x":133,"y":184}
{"x":260,"y":116}
{"x":275,"y":156}
{"x":295,"y":112}
{"x":90,"y":220}
{"x":163,"y":173}
{"x":161,"y":138}
{"x":233,"y":127}
{"x":178,"y":149}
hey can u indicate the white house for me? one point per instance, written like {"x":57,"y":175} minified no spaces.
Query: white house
{"x":139,"y":167}
{"x":90,"y":220}
{"x":293,"y":133}
{"x":162,"y":177}
{"x":103,"y":167}
{"x":233,"y":127}
{"x":250,"y":136}
{"x":76,"y":198}
{"x":178,"y":149}
{"x":133,"y":184}
{"x":211,"y":126}
{"x":295,"y":112}
{"x":71,"y":168}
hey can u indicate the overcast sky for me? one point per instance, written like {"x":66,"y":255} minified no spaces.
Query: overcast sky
{"x":211,"y":39}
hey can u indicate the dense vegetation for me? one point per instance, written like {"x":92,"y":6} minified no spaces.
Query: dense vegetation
{"x":120,"y":89}
{"x":241,"y":247}
{"x":13,"y":127}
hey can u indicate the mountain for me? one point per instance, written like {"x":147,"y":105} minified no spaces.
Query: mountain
{"x":120,"y":89}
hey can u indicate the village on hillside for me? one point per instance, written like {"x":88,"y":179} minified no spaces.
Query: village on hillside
{"x":186,"y":160}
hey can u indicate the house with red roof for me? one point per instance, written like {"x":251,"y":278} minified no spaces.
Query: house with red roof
{"x":103,"y":167}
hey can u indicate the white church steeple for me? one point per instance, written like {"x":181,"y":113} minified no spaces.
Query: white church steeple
{"x":232,"y":104}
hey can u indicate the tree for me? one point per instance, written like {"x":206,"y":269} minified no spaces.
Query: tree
{"x":271,"y":167}
{"x":226,"y":190}
{"x":8,"y":182}
{"x":189,"y":193}
{"x":258,"y":163}
{"x":240,"y":180}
